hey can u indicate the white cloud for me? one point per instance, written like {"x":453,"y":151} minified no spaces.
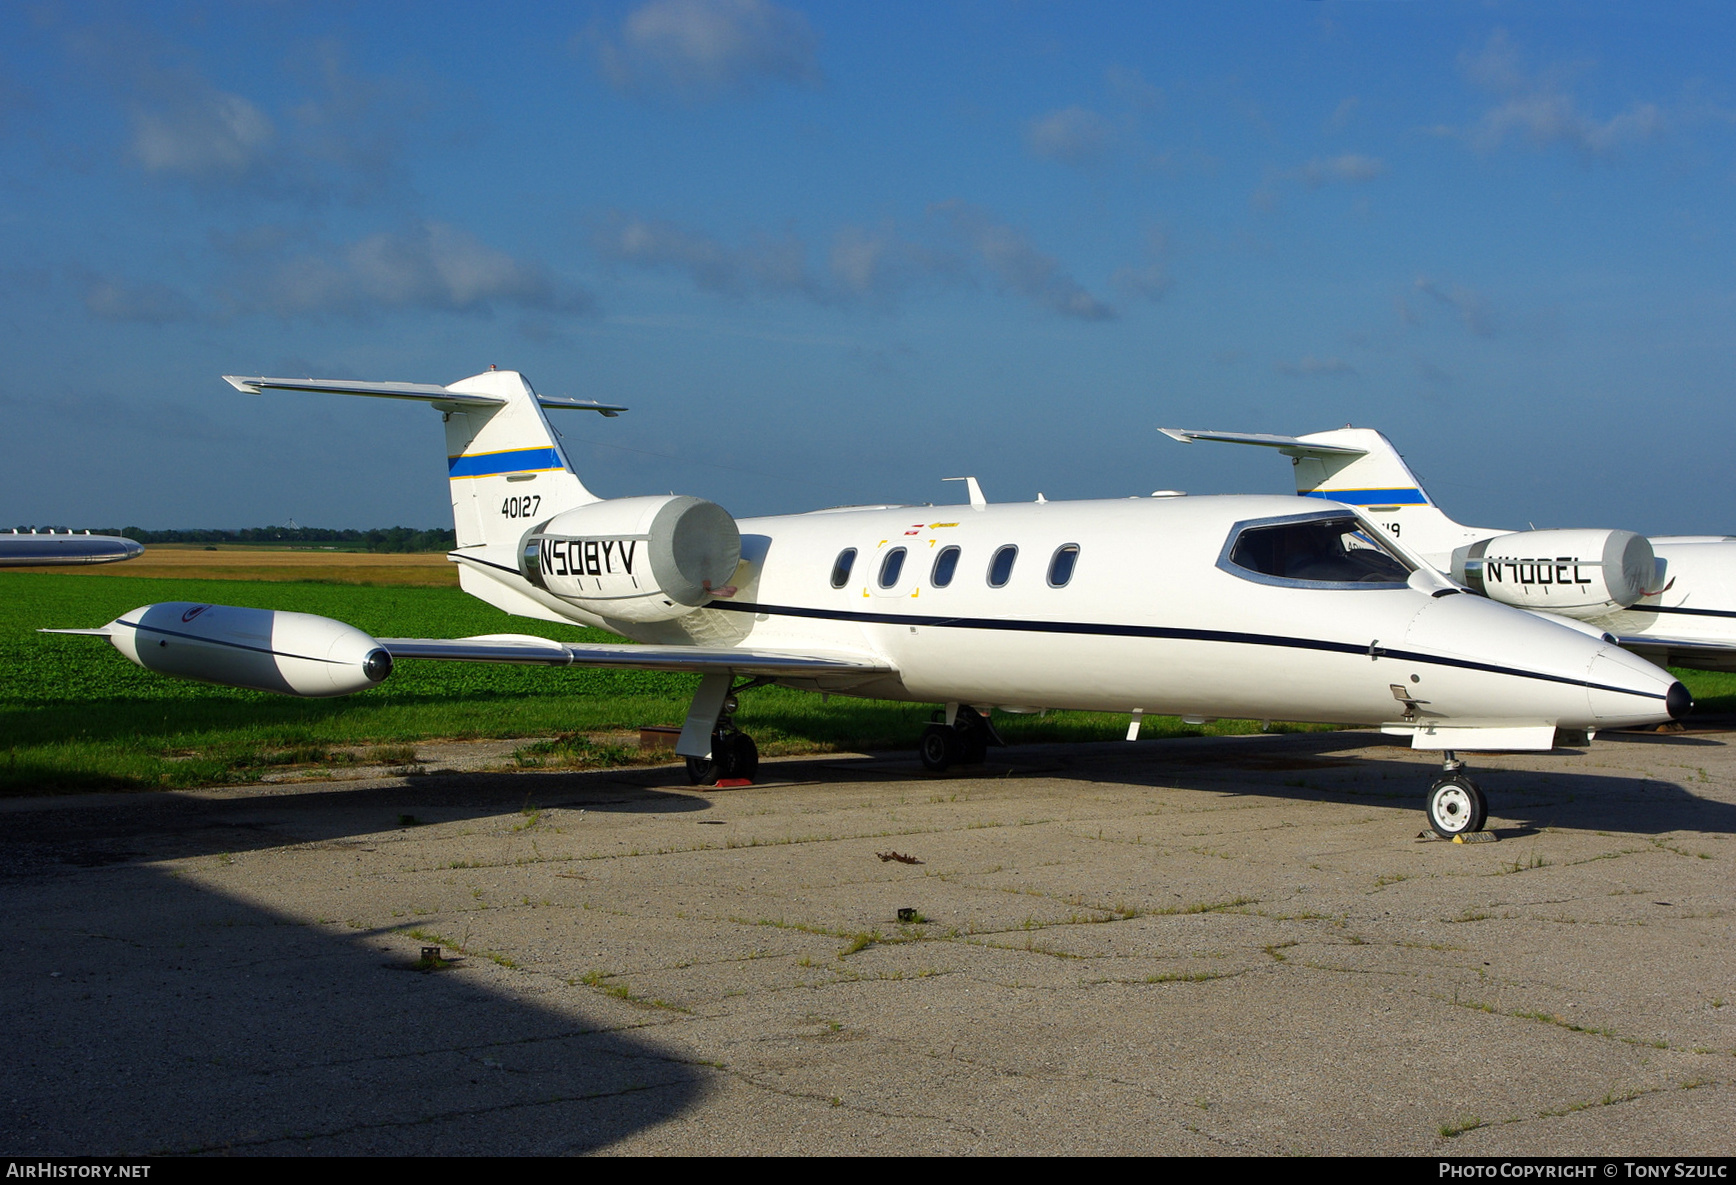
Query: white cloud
{"x":1350,"y":167}
{"x":705,"y":49}
{"x":1541,"y":111}
{"x":149,"y":303}
{"x":874,"y":265}
{"x":203,"y":134}
{"x":1016,"y":264}
{"x":1073,"y":136}
{"x":1471,"y":308}
{"x":432,"y":267}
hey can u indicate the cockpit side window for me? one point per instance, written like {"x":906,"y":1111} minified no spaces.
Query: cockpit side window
{"x":1313,"y":552}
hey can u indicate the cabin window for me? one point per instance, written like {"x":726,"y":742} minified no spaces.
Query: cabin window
{"x":1319,"y":551}
{"x":945,"y":564}
{"x":1001,"y":567}
{"x":1061,"y":565}
{"x":841,"y":569}
{"x":891,"y":567}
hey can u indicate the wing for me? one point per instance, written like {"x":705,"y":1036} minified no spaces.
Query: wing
{"x":523,"y":648}
{"x":425,"y":392}
{"x":1677,"y":652}
{"x":1293,"y":446}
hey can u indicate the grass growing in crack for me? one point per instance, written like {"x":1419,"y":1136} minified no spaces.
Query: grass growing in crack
{"x":1460,"y":1126}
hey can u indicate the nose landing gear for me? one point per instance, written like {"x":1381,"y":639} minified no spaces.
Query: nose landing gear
{"x":1456,"y":803}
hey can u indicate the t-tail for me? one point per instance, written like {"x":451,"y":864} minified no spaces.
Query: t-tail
{"x":1360,"y":467}
{"x":504,"y":462}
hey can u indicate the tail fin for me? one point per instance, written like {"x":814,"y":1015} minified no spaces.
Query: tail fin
{"x":1361,"y":467}
{"x":505,"y":463}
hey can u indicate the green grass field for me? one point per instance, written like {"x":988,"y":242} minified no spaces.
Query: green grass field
{"x":75,"y":715}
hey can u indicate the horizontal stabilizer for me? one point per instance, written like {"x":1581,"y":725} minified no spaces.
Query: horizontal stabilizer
{"x":1293,"y":446}
{"x":520,"y":648}
{"x":425,"y":392}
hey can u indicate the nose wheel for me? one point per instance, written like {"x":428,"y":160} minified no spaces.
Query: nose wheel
{"x":1456,"y":803}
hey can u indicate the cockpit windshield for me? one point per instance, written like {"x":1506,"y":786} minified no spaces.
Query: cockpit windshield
{"x":1318,"y":551}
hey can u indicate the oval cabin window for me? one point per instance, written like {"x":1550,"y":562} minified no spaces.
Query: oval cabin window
{"x":1061,"y":566}
{"x":841,"y":569}
{"x":891,"y":567}
{"x":1001,"y":567}
{"x":945,"y":564}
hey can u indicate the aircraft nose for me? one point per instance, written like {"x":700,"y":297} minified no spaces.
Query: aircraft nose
{"x":1678,"y":702}
{"x":1624,"y":689}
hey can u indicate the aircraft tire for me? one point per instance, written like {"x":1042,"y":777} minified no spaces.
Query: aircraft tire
{"x":740,"y":757}
{"x":702,"y":771}
{"x":1456,"y":806}
{"x":974,"y":747}
{"x":939,"y":748}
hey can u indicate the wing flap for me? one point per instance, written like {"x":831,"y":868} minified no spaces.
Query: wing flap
{"x":519,"y":648}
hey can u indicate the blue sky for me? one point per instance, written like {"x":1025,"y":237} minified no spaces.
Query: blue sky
{"x":833,"y":253}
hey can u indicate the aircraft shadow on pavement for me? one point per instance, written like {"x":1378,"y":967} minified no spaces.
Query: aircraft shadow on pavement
{"x":1342,"y":767}
{"x":148,"y":1015}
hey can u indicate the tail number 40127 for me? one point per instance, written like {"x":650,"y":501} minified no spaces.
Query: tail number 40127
{"x":524,"y":507}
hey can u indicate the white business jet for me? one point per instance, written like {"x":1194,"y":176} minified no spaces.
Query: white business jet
{"x":33,"y":549}
{"x":1200,"y":607}
{"x":1670,"y":599}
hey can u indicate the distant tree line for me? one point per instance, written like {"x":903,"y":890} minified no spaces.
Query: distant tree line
{"x":377,"y":539}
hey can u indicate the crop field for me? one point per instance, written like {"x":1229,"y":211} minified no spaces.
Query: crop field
{"x":76,"y":716}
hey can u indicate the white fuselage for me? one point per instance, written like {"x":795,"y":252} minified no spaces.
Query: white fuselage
{"x":1151,"y":619}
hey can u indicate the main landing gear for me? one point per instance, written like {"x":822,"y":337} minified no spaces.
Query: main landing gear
{"x":734,"y":756}
{"x":966,"y":741}
{"x":715,"y":750}
{"x":1456,"y":803}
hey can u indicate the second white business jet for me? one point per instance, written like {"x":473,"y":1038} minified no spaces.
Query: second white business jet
{"x":1203,"y":607}
{"x":1670,"y":598}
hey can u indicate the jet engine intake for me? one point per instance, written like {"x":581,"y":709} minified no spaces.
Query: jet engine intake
{"x":261,"y":649}
{"x":635,"y":559}
{"x":1573,"y":573}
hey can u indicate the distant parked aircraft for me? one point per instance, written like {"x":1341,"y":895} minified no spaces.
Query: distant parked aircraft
{"x":41,"y":549}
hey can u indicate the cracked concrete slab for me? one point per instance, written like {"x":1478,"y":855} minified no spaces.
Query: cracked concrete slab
{"x":1222,"y":945}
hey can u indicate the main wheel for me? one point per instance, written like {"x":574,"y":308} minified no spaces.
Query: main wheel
{"x":1456,"y":805}
{"x":702,"y":771}
{"x":974,"y":747}
{"x":939,"y":748}
{"x":740,"y":757}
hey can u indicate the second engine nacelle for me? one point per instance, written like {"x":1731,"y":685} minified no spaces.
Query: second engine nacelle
{"x":634,"y":559}
{"x":261,"y":649}
{"x":1574,"y":573}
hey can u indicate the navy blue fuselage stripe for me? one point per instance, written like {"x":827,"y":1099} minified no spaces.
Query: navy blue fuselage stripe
{"x":157,"y":629}
{"x":1173,"y":633}
{"x":1410,"y":497}
{"x":470,"y":559}
{"x":1681,"y":609}
{"x":516,"y":461}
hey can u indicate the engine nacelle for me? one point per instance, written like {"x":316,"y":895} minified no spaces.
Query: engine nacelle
{"x":1574,"y":573}
{"x":261,"y":649}
{"x":634,"y":559}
